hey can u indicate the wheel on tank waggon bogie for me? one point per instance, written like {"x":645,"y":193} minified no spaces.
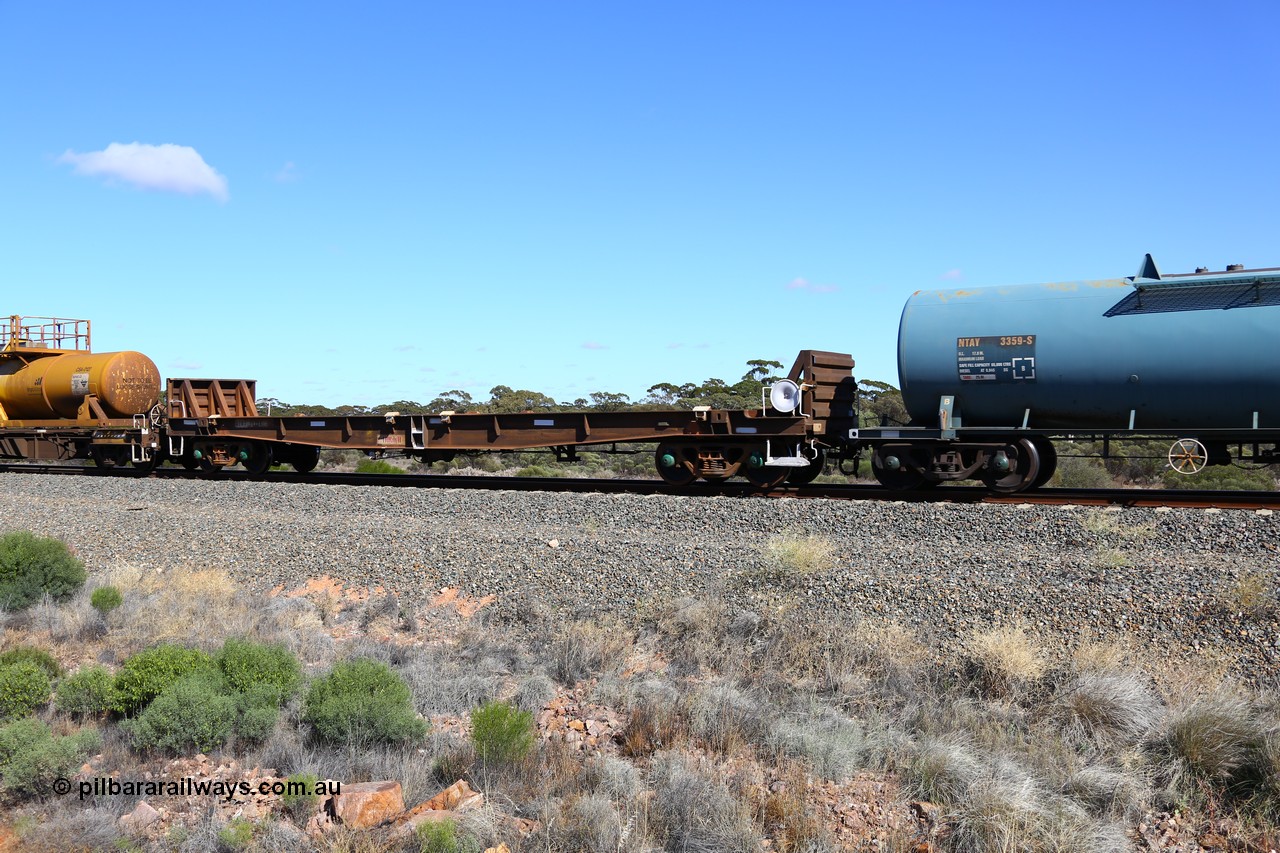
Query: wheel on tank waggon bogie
{"x":1014,"y":467}
{"x":891,"y":469}
{"x":1048,"y":462}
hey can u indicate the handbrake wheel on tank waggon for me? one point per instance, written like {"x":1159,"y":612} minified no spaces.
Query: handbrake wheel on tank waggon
{"x":1013,"y":468}
{"x":671,"y":466}
{"x":806,"y":475}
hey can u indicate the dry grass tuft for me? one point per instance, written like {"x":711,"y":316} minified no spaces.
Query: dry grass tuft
{"x":693,"y":811}
{"x":1116,"y":708}
{"x":1252,"y":595}
{"x":1006,"y":661}
{"x":1217,"y":745}
{"x":728,"y":720}
{"x":589,"y":648}
{"x":1112,"y":525}
{"x":198,"y":607}
{"x":787,"y":556}
{"x":1102,"y":656}
{"x":835,"y":746}
{"x":942,"y":770}
{"x":789,"y":821}
{"x":656,"y":721}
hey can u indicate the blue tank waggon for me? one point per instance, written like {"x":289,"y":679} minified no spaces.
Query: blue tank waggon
{"x":991,"y":375}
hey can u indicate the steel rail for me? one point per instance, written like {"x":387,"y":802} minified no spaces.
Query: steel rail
{"x":732,"y":488}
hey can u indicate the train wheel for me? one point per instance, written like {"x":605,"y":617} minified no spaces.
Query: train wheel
{"x":305,"y":459}
{"x":260,"y":458}
{"x":672,"y":467}
{"x":760,"y":475}
{"x":806,"y":475}
{"x":190,"y":463}
{"x":147,"y":464}
{"x":891,"y":473}
{"x":208,"y":466}
{"x":1013,"y":468}
{"x":113,"y":457}
{"x":1048,"y":461}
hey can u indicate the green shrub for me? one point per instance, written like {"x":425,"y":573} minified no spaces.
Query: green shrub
{"x":23,"y":688}
{"x":442,"y":837}
{"x":105,"y":599}
{"x":31,"y":757}
{"x":1223,"y":478}
{"x":30,"y":654}
{"x":236,"y":835}
{"x":249,"y":666}
{"x":196,"y":711}
{"x":1081,"y":473}
{"x":86,"y":692}
{"x":300,"y":799}
{"x":256,"y":712}
{"x":377,"y":466}
{"x":539,"y":471}
{"x":145,"y":675}
{"x":32,"y":566}
{"x":362,"y":701}
{"x":501,"y":733}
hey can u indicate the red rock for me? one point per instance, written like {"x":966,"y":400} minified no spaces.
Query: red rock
{"x":456,"y":797}
{"x":366,"y":804}
{"x":142,"y":816}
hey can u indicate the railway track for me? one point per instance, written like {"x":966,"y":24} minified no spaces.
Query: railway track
{"x":828,"y":491}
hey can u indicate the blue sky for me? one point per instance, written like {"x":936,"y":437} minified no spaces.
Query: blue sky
{"x":362,"y":204}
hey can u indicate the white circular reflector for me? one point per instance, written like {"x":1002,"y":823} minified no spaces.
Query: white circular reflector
{"x":784,"y":396}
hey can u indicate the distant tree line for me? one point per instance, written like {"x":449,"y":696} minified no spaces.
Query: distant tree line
{"x":878,"y":402}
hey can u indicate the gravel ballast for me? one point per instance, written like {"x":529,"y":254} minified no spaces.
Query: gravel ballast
{"x":1166,"y":580}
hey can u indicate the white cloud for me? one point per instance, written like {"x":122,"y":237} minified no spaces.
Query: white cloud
{"x":593,"y":345}
{"x":805,"y":284}
{"x":167,"y":168}
{"x":185,"y":364}
{"x":288,"y":173}
{"x":952,"y":275}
